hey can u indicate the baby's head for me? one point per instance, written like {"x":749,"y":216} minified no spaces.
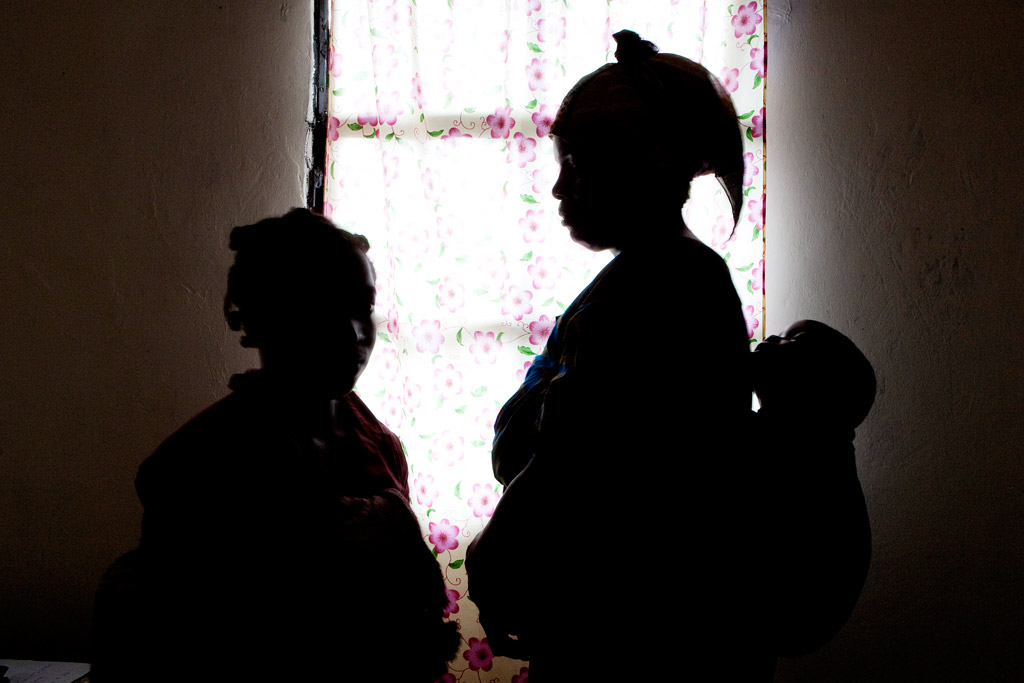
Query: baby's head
{"x":814,"y":372}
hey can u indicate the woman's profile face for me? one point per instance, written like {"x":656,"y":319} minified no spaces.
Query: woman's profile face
{"x":342,"y":344}
{"x":609,"y":194}
{"x":590,"y":203}
{"x":324,"y":338}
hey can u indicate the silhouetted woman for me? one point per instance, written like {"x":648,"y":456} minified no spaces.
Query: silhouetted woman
{"x":277,"y":541}
{"x":619,"y":547}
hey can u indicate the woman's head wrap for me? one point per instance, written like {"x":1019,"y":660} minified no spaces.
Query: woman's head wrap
{"x":646,"y":85}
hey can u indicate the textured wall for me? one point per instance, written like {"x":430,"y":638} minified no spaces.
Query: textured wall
{"x":135,"y":135}
{"x":894,"y":213}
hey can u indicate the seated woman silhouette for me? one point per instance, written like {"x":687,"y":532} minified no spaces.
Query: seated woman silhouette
{"x":617,"y":547}
{"x":277,"y":540}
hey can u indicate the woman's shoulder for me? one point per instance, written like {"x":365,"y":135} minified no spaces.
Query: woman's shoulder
{"x":656,"y":272}
{"x":225,"y":417}
{"x":679,"y":255}
{"x":195,"y":446}
{"x":365,"y":417}
{"x":372,"y":428}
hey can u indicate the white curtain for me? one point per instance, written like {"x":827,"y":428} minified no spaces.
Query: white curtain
{"x":437,"y":152}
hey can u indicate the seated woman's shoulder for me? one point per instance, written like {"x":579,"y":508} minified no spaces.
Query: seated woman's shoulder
{"x":227,"y":418}
{"x":223,"y":426}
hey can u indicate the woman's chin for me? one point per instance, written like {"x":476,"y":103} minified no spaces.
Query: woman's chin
{"x":587,"y":238}
{"x":590,"y":241}
{"x":596,"y":233}
{"x":589,"y":245}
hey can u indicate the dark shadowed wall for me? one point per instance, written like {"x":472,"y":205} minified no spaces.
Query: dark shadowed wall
{"x":136,"y":134}
{"x":895,"y":214}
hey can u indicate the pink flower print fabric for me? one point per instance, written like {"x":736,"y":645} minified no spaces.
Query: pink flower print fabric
{"x":439,"y":151}
{"x":751,"y":169}
{"x":540,"y":330}
{"x":746,"y":19}
{"x":551,"y":31}
{"x":516,"y":303}
{"x":750,"y":317}
{"x":485,"y":347}
{"x":757,"y":124}
{"x":755,"y":212}
{"x":387,"y":364}
{"x":544,"y":272}
{"x":534,"y":226}
{"x":413,"y":394}
{"x":418,"y":94}
{"x":537,"y":74}
{"x":384,"y":60}
{"x":448,"y":382}
{"x":453,"y":602}
{"x":479,"y":655}
{"x":542,"y":119}
{"x":757,"y":60}
{"x":449,"y":448}
{"x":722,"y":232}
{"x":332,"y":128}
{"x":444,"y":536}
{"x":501,"y":122}
{"x":522,"y":150}
{"x":483,"y":501}
{"x":432,"y":185}
{"x":389,"y":107}
{"x":428,"y":336}
{"x":451,"y":295}
{"x":757,"y":276}
{"x":425,"y":489}
{"x":729,"y":79}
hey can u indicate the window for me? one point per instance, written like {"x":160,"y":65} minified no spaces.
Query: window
{"x":436,"y":151}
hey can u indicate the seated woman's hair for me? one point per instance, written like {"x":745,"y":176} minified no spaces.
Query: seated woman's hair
{"x":283,"y":266}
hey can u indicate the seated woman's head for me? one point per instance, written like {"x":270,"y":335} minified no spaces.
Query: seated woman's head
{"x":816,"y":374}
{"x":632,"y":135}
{"x":302,"y":291}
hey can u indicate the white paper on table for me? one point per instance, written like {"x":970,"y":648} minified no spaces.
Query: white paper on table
{"x":30,"y":671}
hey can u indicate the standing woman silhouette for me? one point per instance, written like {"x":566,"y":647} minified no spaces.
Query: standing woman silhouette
{"x":624,"y":427}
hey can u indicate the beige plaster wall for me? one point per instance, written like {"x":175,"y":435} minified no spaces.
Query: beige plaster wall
{"x":895,"y":213}
{"x":134,"y":136}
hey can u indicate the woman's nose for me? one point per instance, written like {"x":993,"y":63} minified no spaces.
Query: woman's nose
{"x":357,"y":330}
{"x":559,"y":190}
{"x":364,"y":330}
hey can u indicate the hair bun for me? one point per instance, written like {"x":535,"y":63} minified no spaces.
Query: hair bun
{"x":632,"y":48}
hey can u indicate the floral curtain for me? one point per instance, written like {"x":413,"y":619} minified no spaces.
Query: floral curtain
{"x":437,"y":152}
